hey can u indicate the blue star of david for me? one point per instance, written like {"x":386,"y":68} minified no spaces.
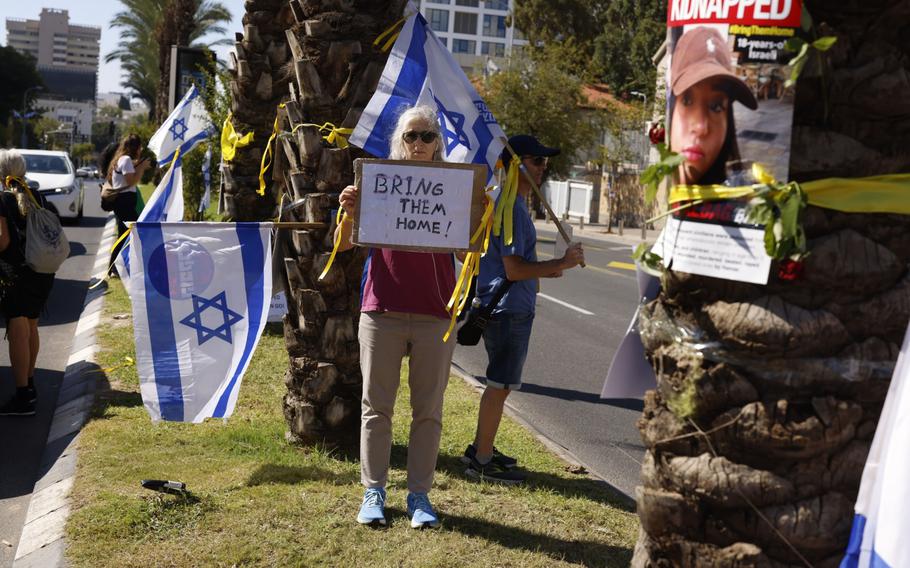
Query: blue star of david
{"x":203,"y":333}
{"x":456,"y":137}
{"x":178,"y":128}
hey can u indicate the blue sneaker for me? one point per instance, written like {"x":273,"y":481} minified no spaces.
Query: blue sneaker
{"x":372,"y":511}
{"x":421,"y":512}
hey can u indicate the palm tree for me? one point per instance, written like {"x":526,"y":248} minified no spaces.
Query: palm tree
{"x":138,"y":49}
{"x":323,"y":51}
{"x":758,"y":431}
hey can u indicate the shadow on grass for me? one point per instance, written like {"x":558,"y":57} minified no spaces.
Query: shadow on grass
{"x":286,"y":474}
{"x":106,"y":398}
{"x":579,"y":487}
{"x":584,"y":552}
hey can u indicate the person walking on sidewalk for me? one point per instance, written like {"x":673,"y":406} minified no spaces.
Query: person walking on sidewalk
{"x":25,"y":292}
{"x":403,"y":312}
{"x":507,"y":335}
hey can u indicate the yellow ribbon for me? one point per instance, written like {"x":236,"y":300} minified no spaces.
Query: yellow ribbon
{"x":506,"y":205}
{"x":470,"y":268}
{"x":392,"y":33}
{"x":267,"y":154}
{"x":336,"y":136}
{"x":9,"y":180}
{"x":339,"y":219}
{"x":876,"y":194}
{"x":231,"y":140}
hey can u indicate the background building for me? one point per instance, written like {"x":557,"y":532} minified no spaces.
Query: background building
{"x":67,"y":59}
{"x":475,"y":31}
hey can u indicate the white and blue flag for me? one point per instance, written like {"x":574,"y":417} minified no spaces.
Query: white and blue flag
{"x":421,"y":71}
{"x":200,"y":294}
{"x":165,"y":205}
{"x":206,"y":199}
{"x":881,"y":528}
{"x":188,"y":125}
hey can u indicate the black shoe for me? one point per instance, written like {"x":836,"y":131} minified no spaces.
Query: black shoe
{"x":494,"y":471}
{"x":505,"y":461}
{"x":32,"y":395}
{"x":18,"y":407}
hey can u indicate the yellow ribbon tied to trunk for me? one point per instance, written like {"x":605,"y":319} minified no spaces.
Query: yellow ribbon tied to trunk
{"x":231,"y":140}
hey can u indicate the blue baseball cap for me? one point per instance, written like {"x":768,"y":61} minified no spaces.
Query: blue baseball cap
{"x":526,"y":145}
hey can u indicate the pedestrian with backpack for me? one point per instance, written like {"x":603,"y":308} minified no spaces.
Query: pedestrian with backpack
{"x":119,"y":193}
{"x":25,"y":290}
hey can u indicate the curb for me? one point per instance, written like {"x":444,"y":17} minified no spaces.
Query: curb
{"x":42,"y":541}
{"x":561,"y":451}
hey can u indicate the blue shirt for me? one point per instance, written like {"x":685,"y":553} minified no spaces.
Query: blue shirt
{"x":521,"y":297}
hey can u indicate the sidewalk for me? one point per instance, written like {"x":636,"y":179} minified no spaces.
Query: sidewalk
{"x":598,"y":231}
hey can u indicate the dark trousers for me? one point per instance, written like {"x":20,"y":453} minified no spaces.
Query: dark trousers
{"x":124,"y":212}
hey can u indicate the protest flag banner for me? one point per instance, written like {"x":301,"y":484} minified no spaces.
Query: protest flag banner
{"x":165,"y":205}
{"x":421,"y":71}
{"x":200,"y":294}
{"x":880,"y":527}
{"x":418,"y":206}
{"x":188,"y":125}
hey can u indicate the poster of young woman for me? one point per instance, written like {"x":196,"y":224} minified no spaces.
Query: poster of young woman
{"x":727,"y":102}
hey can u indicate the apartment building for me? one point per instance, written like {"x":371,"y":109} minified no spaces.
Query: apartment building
{"x":67,"y":58}
{"x":475,"y":31}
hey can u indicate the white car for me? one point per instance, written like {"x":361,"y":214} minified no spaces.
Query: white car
{"x":57,"y":181}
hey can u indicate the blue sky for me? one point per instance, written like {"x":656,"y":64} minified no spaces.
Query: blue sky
{"x":99,"y":13}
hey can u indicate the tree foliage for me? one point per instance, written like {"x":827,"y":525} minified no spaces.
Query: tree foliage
{"x":138,"y":50}
{"x":617,"y":38}
{"x":19,"y":73}
{"x":539,"y":96}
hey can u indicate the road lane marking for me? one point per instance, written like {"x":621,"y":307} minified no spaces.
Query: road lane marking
{"x":623,"y":265}
{"x":565,"y":304}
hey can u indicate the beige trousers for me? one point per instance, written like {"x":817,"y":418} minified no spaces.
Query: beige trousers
{"x":385,"y":338}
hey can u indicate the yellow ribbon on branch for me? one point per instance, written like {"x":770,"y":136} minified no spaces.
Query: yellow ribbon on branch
{"x":391,"y":33}
{"x":470,"y":268}
{"x":876,"y":194}
{"x":267,"y":154}
{"x":336,"y":136}
{"x":339,"y":219}
{"x":231,"y":140}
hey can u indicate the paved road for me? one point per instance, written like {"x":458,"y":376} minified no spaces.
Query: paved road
{"x":581,"y":319}
{"x":22,"y":439}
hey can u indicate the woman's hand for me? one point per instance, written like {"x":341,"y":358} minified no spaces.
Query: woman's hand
{"x":347,"y":199}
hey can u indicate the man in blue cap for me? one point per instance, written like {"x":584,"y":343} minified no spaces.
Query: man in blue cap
{"x":507,"y":335}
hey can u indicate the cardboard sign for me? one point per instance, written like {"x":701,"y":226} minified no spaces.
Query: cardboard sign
{"x":418,"y":206}
{"x":278,"y":307}
{"x":727,"y":102}
{"x":713,"y":239}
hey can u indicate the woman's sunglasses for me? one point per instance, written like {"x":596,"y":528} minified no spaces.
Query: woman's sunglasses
{"x":427,"y":136}
{"x":537,"y":160}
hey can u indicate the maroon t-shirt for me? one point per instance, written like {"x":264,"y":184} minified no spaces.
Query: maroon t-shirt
{"x":408,"y":282}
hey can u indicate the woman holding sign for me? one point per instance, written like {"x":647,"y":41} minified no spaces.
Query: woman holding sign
{"x":403,"y":312}
{"x":704,"y":87}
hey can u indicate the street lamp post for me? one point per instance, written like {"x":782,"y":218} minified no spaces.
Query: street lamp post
{"x":644,"y":101}
{"x":24,"y":141}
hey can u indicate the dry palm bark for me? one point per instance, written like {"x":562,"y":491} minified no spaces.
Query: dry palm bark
{"x":768,"y":396}
{"x":317,"y":58}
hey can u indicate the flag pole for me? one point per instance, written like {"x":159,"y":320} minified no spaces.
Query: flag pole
{"x":543,"y":200}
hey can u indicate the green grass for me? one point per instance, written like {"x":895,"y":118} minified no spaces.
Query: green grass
{"x":258,"y":501}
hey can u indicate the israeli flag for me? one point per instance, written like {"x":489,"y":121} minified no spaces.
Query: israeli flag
{"x":188,"y":124}
{"x":200,"y":296}
{"x":421,"y":71}
{"x":881,"y":526}
{"x":165,"y":205}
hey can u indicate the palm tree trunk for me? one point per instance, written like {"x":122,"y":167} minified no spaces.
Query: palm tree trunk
{"x":758,"y":431}
{"x":331,"y":68}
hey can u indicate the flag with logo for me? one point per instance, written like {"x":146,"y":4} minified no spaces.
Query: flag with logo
{"x":165,"y":205}
{"x":200,"y":294}
{"x":421,"y":71}
{"x":879,"y":537}
{"x":188,"y":125}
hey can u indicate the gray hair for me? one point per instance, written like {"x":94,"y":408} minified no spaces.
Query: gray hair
{"x":11,"y":164}
{"x":426,"y":114}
